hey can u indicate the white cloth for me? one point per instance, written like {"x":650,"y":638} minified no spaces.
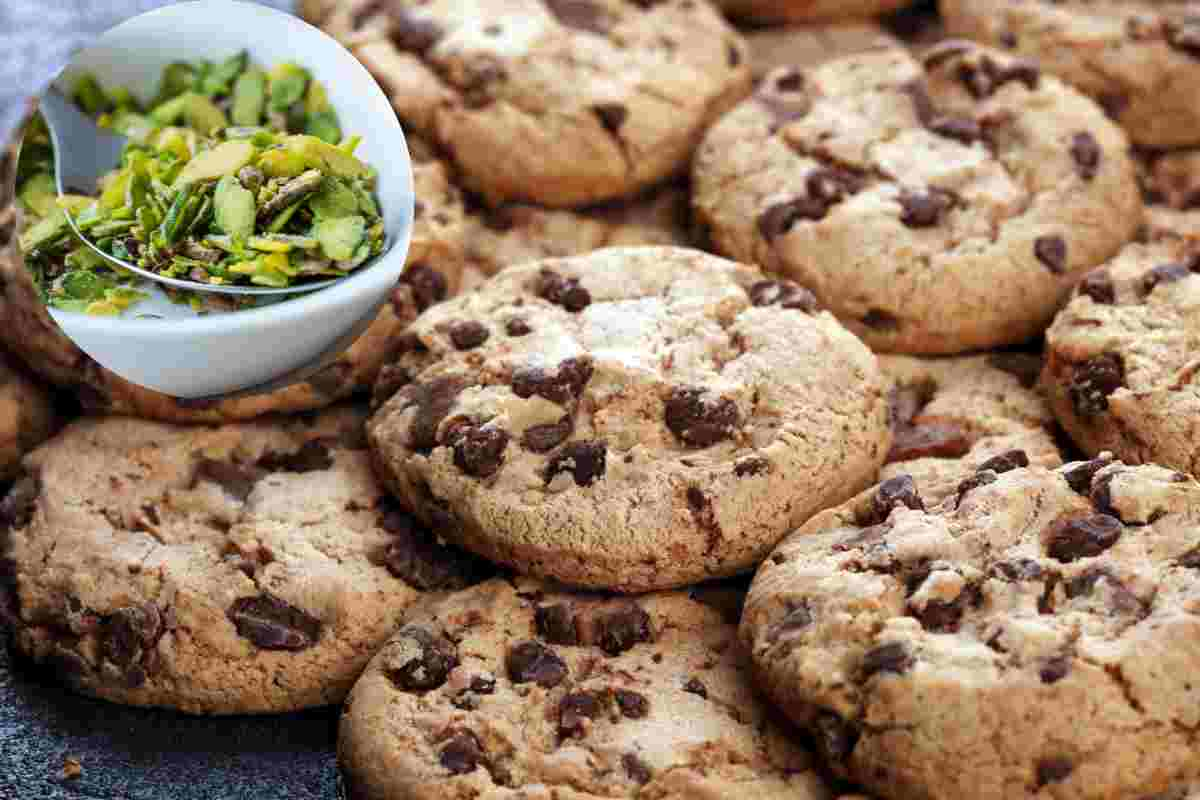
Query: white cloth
{"x":37,"y":38}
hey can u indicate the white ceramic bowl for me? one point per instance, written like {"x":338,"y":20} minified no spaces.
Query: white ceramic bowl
{"x":202,"y":356}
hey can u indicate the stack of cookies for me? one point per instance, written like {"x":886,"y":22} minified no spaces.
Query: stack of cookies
{"x":779,"y":402}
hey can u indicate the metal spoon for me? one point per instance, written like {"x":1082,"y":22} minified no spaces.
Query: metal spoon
{"x":84,"y":153}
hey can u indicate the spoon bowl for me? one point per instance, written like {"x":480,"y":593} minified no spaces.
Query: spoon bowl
{"x":203,"y":356}
{"x":83,"y":153}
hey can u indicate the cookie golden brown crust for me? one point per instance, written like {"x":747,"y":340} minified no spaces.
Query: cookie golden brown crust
{"x":936,"y":207}
{"x":245,"y":568}
{"x":1033,"y":636}
{"x":632,"y":419}
{"x":525,"y":690}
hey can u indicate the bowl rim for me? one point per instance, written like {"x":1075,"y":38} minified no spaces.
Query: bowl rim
{"x":351,"y":290}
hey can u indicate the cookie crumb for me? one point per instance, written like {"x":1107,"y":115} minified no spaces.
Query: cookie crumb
{"x":72,"y":768}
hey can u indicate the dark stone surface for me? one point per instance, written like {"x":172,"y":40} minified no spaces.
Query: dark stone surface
{"x":142,"y":754}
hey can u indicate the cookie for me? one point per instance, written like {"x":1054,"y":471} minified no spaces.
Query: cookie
{"x":807,"y":10}
{"x":433,"y":273}
{"x":520,"y":232}
{"x":632,"y":419}
{"x":936,"y":207}
{"x":1122,"y":370}
{"x":556,"y":102}
{"x":1035,"y":636}
{"x":248,"y":568}
{"x":954,"y":417}
{"x":809,"y":45}
{"x":1140,"y":60}
{"x":527,"y":691}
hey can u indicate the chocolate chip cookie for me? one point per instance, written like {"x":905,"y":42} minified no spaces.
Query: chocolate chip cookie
{"x":633,"y":419}
{"x":807,"y":10}
{"x":1034,"y":636}
{"x":526,"y":691}
{"x":248,"y":568}
{"x":557,"y":102}
{"x":809,"y":45}
{"x":936,"y":207}
{"x":1140,"y":60}
{"x":28,"y":415}
{"x":1123,"y":357}
{"x":435,"y":263}
{"x":520,"y":232}
{"x":956,"y":418}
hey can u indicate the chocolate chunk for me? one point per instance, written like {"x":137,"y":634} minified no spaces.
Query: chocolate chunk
{"x":416,"y":557}
{"x":924,"y":210}
{"x":556,"y":624}
{"x":1098,"y":285}
{"x":790,"y":81}
{"x":1079,"y":477}
{"x":632,"y":704}
{"x":929,"y":440}
{"x":1018,"y":570}
{"x":1025,"y":367}
{"x":968,"y":485}
{"x":940,"y":616}
{"x":433,"y":401}
{"x":1082,"y":537}
{"x":584,"y":15}
{"x":835,"y":738}
{"x":413,"y":33}
{"x":700,"y":419}
{"x":1054,"y":669}
{"x":1053,"y":770}
{"x":1085,"y":151}
{"x":127,"y":633}
{"x":586,"y":461}
{"x":636,"y":769}
{"x":565,"y":292}
{"x":696,"y":686}
{"x":483,"y":684}
{"x":531,"y":661}
{"x":1121,"y":600}
{"x":1165,"y":273}
{"x":468,"y":334}
{"x":798,"y":618}
{"x":462,"y":753}
{"x":1052,"y":252}
{"x":621,"y":630}
{"x":1184,"y":35}
{"x":892,"y":657}
{"x":1005,"y":462}
{"x":824,"y":188}
{"x":479,"y":451}
{"x":428,"y":285}
{"x":564,"y":385}
{"x":879,"y":320}
{"x":313,"y":456}
{"x":517,"y":327}
{"x":785,"y":294}
{"x":272,"y":624}
{"x":898,"y":491}
{"x":611,"y":115}
{"x":430,"y":659}
{"x":575,"y":711}
{"x":544,"y":438}
{"x":236,"y":479}
{"x":961,"y":129}
{"x":1093,"y":381}
{"x":751,"y":465}
{"x":1190,"y":559}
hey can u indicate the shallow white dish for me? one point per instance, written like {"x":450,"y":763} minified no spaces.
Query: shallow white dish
{"x":192,"y":356}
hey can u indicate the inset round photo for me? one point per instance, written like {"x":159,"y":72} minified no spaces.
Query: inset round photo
{"x":214,"y":199}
